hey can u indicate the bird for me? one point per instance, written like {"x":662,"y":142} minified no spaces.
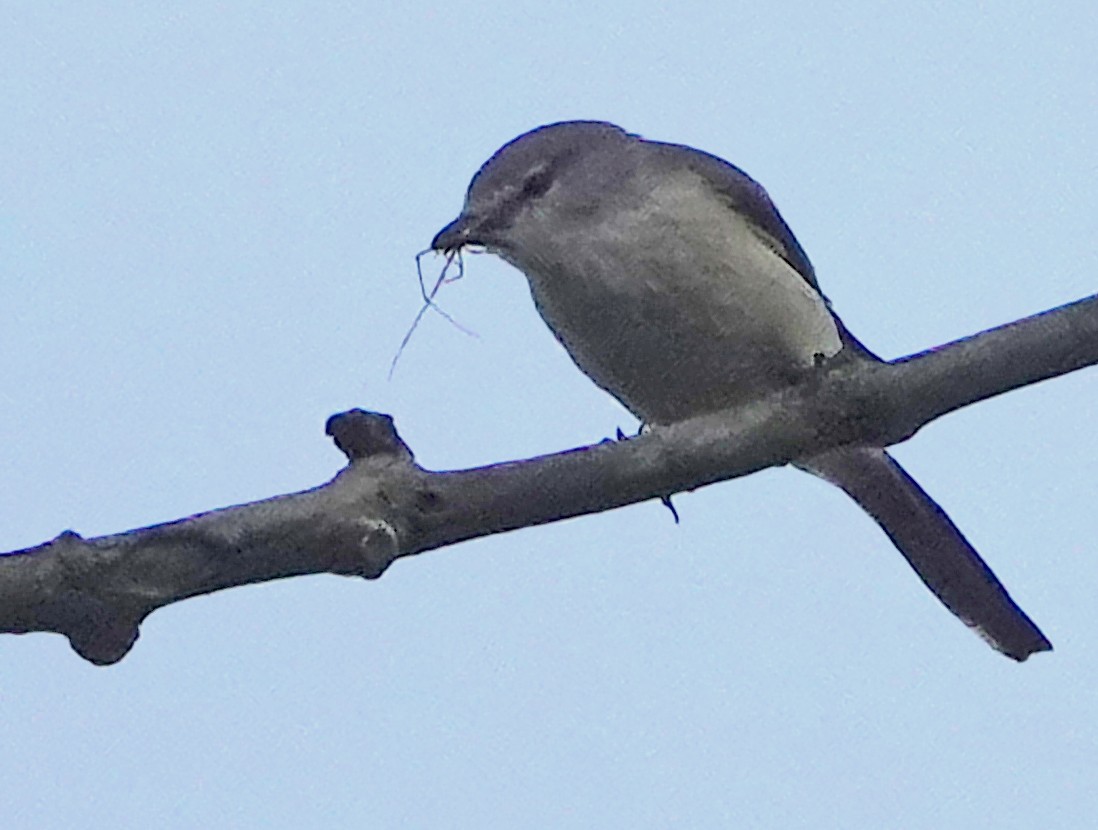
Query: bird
{"x":673,"y":282}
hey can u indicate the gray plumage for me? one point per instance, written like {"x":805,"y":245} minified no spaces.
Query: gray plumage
{"x":675,"y":285}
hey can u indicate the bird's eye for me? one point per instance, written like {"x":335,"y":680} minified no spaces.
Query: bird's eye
{"x":537,"y":182}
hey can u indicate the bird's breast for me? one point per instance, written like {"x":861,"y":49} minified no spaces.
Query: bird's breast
{"x":678,"y":307}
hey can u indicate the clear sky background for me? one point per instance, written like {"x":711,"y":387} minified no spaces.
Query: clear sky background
{"x":208,"y":217}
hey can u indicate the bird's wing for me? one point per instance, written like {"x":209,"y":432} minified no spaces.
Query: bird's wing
{"x":748,"y":198}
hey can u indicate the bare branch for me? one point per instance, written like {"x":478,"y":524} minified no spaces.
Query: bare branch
{"x":383,"y":506}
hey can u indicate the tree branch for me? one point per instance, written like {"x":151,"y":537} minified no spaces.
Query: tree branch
{"x":383,"y":506}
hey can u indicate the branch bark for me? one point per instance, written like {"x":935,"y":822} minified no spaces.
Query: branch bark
{"x":383,"y":506}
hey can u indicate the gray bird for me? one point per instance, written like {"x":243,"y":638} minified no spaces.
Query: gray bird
{"x":675,"y":285}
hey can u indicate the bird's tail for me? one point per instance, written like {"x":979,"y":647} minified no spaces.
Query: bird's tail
{"x":932,"y":545}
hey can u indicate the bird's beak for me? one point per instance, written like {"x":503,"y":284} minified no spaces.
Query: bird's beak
{"x":454,"y":236}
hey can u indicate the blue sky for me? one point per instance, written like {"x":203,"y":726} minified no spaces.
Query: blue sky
{"x":208,"y":218}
